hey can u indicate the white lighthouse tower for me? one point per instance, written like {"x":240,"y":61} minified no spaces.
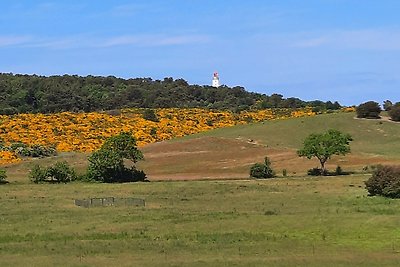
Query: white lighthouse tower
{"x":215,"y":80}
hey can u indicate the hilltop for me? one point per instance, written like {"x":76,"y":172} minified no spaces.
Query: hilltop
{"x":40,"y":94}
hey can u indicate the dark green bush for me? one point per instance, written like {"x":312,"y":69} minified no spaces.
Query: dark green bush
{"x":17,"y":145}
{"x":42,"y":151}
{"x":394,"y":112}
{"x":385,"y":181}
{"x":317,"y":172}
{"x":38,"y":174}
{"x":3,"y":176}
{"x":35,"y":150}
{"x":257,"y":170}
{"x":338,"y":171}
{"x":262,"y":170}
{"x":150,"y":115}
{"x":60,"y":172}
{"x":368,"y":110}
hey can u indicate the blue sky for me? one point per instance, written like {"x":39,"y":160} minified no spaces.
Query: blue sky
{"x":345,"y":50}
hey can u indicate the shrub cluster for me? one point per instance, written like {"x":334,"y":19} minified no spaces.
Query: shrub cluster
{"x":324,"y":172}
{"x":34,"y":151}
{"x":368,"y":110}
{"x":317,"y":172}
{"x":60,"y":172}
{"x":385,"y":181}
{"x":262,"y":170}
{"x":105,"y":165}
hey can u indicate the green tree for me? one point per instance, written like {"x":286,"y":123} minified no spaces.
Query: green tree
{"x":369,"y":110}
{"x":124,"y":144}
{"x":107,"y":163}
{"x":324,"y":145}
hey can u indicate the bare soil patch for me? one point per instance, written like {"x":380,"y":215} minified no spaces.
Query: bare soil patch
{"x":228,"y":158}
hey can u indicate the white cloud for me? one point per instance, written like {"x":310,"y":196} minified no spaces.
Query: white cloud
{"x":87,"y":41}
{"x":126,"y":10}
{"x":152,"y":40}
{"x":312,"y":42}
{"x":62,"y":43}
{"x":13,"y":40}
{"x":369,"y":39}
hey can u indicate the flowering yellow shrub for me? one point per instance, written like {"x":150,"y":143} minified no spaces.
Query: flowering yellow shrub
{"x":8,"y":157}
{"x":86,"y":132}
{"x":348,"y":109}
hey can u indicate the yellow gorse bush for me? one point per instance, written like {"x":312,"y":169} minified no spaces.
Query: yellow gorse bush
{"x":8,"y":157}
{"x":86,"y":132}
{"x":348,"y":109}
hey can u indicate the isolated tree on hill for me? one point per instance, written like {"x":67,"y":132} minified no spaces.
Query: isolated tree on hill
{"x":368,"y":110}
{"x":324,"y":145}
{"x":107,"y":163}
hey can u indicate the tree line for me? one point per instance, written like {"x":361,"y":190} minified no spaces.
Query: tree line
{"x":41,"y":94}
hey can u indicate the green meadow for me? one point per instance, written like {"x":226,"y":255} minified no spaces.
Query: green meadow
{"x":278,"y":222}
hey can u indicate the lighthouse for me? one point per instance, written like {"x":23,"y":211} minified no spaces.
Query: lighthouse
{"x":215,"y":80}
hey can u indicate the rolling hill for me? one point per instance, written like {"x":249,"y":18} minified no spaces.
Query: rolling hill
{"x":228,"y":152}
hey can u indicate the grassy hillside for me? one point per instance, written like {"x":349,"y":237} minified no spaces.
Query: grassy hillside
{"x":229,"y":152}
{"x":373,"y":137}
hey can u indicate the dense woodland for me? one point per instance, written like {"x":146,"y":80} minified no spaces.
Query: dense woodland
{"x":32,"y":93}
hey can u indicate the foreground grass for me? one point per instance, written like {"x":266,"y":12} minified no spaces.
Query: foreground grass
{"x":278,"y":222}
